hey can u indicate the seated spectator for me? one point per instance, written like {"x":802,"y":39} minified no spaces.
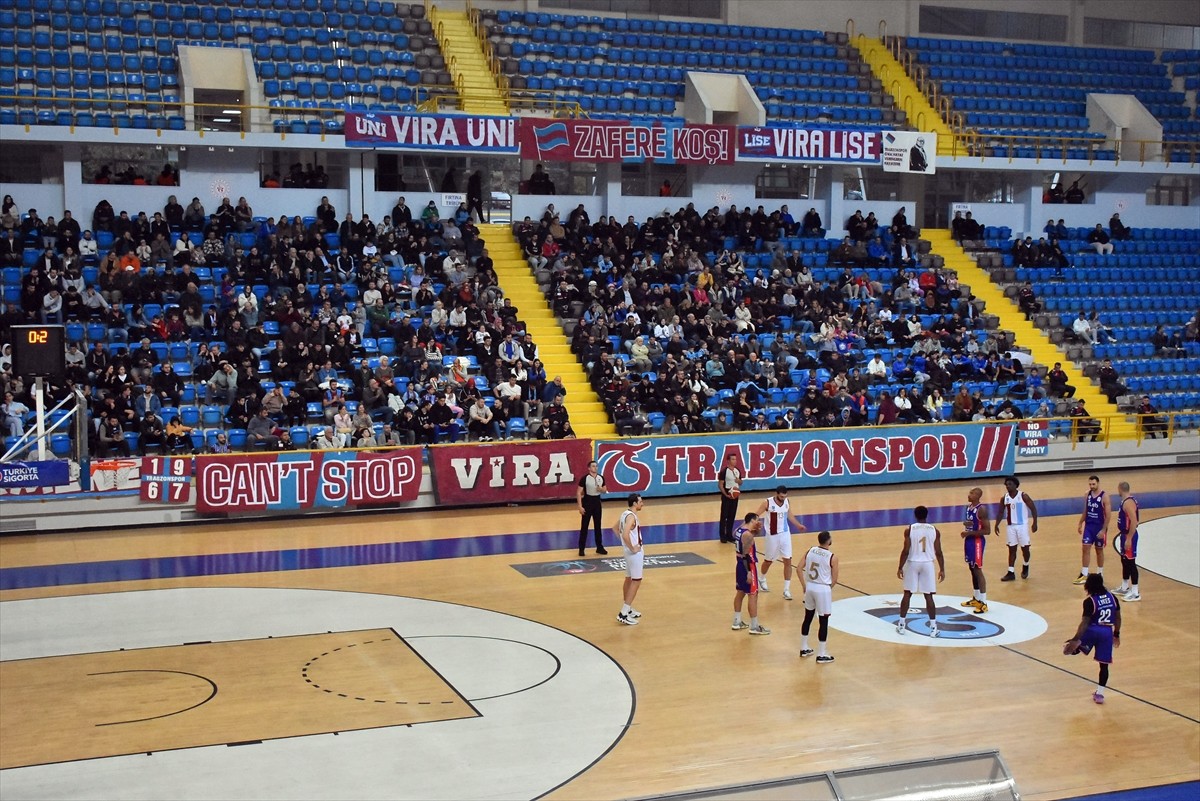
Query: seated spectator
{"x":1170,"y":345}
{"x":1117,"y":230}
{"x":111,"y":439}
{"x":1099,"y":241}
{"x":1110,"y":381}
{"x":1153,"y":425}
{"x":1083,"y":330}
{"x":1027,"y":300}
{"x":1085,"y":425}
{"x":1103,"y":332}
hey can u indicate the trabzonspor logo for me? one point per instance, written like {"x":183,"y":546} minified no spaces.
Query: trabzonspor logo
{"x":952,"y":623}
{"x":623,"y":471}
{"x":875,"y":616}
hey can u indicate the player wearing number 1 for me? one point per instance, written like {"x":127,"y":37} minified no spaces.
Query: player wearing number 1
{"x":922,"y":544}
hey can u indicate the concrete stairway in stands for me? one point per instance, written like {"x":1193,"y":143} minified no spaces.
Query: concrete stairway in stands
{"x":473,"y":80}
{"x":587,"y":413}
{"x":1026,"y":334}
{"x":907,"y":94}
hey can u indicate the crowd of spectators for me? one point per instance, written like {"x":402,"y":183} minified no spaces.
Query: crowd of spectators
{"x":131,"y":176}
{"x":669,"y":321}
{"x":281,"y":325}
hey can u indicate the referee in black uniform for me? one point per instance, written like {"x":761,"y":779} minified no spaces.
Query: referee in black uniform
{"x":729,"y":482}
{"x":591,"y":486}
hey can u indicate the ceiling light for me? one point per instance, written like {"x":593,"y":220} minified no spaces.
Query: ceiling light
{"x":221,"y":119}
{"x":231,"y":111}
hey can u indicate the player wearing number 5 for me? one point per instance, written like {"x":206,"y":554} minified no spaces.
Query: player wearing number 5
{"x":922,"y":544}
{"x":1019,"y":513}
{"x":1099,"y":629}
{"x":777,"y":512}
{"x":818,"y":577}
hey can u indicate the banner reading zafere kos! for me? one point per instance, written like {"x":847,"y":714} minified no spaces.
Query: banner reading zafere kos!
{"x":665,"y":141}
{"x":286,"y":482}
{"x":807,"y":458}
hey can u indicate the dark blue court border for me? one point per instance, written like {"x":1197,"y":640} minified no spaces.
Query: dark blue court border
{"x":171,"y":567}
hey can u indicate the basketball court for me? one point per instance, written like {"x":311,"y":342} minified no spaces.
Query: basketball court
{"x":472,"y":654}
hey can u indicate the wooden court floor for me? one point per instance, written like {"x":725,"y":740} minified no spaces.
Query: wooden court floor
{"x":716,"y":707}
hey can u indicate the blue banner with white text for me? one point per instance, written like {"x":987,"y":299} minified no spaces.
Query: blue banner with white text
{"x":807,"y":458}
{"x":20,"y":475}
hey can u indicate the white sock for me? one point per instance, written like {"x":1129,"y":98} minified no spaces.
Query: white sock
{"x":1099,"y":690}
{"x":1025,"y":563}
{"x":904,"y":621}
{"x":1134,"y":590}
{"x":737,"y":618}
{"x":803,"y":642}
{"x":1124,"y":584}
{"x":787,"y":585}
{"x":1100,"y":571}
{"x":754,"y":622}
{"x":1012,"y":569}
{"x":821,"y":648}
{"x":625,"y":609}
{"x":1083,"y":571}
{"x":975,"y":594}
{"x":983,"y":597}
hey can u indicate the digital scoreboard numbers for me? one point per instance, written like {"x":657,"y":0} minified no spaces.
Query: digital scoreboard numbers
{"x":39,"y":351}
{"x":166,"y":479}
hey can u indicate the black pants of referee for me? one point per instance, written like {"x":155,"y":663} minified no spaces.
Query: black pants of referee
{"x":728,"y":517}
{"x":591,"y":511}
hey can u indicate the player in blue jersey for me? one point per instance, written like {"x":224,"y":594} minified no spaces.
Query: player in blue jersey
{"x":1093,"y":527}
{"x":1128,"y":515}
{"x":975,"y":534}
{"x":746,"y":576}
{"x":1099,"y":629}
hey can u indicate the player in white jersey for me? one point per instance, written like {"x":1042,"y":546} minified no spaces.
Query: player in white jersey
{"x":922,"y":545}
{"x":630,"y":531}
{"x":1019,"y":513}
{"x":818,"y":577}
{"x":776,"y":512}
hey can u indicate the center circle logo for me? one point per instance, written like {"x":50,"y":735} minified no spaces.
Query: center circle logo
{"x":875,"y":616}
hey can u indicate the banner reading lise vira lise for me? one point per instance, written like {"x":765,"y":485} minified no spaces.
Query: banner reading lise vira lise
{"x":808,"y":458}
{"x":509,"y":472}
{"x":285,"y":482}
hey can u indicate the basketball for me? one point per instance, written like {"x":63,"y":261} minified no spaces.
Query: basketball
{"x":734,"y":494}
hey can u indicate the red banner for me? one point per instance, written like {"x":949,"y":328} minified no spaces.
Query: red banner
{"x":287,"y":482}
{"x":509,"y":471}
{"x":666,"y":141}
{"x":442,"y":132}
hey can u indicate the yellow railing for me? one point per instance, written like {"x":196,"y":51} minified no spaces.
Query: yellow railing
{"x":532,"y":101}
{"x":494,"y":65}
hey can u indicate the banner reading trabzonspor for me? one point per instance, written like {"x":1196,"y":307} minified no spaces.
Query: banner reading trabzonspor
{"x":285,"y":482}
{"x":807,"y":458}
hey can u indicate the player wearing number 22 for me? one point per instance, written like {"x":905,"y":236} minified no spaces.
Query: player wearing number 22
{"x":777,"y":511}
{"x":922,"y":544}
{"x":1099,"y":629}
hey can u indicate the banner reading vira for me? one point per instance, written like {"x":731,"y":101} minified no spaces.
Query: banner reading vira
{"x":286,"y":482}
{"x":508,"y":472}
{"x":449,"y":132}
{"x":665,"y":141}
{"x":809,"y":458}
{"x":811,"y":144}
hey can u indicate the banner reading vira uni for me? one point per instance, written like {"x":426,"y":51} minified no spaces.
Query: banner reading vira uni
{"x":668,"y":141}
{"x":509,"y":472}
{"x":445,"y":132}
{"x":807,"y":458}
{"x":286,"y":482}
